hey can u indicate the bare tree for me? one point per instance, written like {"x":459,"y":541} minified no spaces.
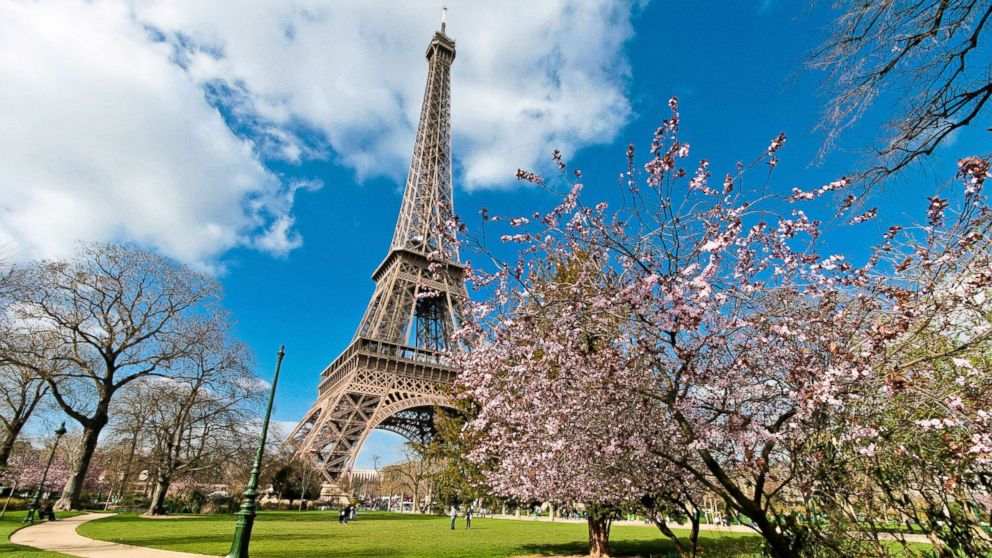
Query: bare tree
{"x":129,"y":424}
{"x":113,"y":314}
{"x":415,"y":472}
{"x":194,"y":416}
{"x":115,"y":456}
{"x":306,"y":481}
{"x":377,"y":479}
{"x":21,"y":389}
{"x":933,"y":53}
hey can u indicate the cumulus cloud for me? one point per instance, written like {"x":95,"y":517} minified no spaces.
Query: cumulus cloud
{"x":153,"y":121}
{"x":104,"y":137}
{"x":528,"y":77}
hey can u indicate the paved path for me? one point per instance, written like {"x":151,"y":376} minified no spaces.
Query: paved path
{"x":60,"y":536}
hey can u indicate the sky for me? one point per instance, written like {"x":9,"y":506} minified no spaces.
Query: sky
{"x":267,"y":142}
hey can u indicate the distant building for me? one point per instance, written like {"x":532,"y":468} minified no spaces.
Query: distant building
{"x":364,"y":476}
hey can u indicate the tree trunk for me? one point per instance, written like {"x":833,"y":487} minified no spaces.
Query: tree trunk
{"x":662,"y":526}
{"x":9,"y":496}
{"x":70,"y":499}
{"x":778,"y":544}
{"x":599,"y":536}
{"x":694,"y":532}
{"x":7,"y":444}
{"x":157,"y":504}
{"x":132,"y":449}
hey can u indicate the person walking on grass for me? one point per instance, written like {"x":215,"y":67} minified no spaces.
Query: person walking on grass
{"x":454,"y":515}
{"x":468,"y":518}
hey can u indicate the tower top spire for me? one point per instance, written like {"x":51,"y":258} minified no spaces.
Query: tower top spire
{"x":427,"y":211}
{"x":444,"y":15}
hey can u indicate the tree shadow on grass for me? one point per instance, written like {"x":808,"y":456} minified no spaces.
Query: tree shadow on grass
{"x":276,"y":542}
{"x":738,"y":547}
{"x":283,"y":516}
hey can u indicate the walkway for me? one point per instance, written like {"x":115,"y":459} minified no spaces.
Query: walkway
{"x":60,"y":536}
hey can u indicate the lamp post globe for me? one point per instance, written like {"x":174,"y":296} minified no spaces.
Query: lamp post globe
{"x":36,"y":501}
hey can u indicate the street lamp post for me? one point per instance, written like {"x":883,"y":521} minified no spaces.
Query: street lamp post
{"x":36,"y":501}
{"x":246,"y":516}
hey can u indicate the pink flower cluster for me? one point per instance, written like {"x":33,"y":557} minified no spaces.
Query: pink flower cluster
{"x":702,"y":338}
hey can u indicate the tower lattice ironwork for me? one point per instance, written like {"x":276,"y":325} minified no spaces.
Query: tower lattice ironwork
{"x":396,"y":370}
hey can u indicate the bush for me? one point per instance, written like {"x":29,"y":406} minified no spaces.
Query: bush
{"x":16,"y":504}
{"x":218,"y":502}
{"x":188,"y":500}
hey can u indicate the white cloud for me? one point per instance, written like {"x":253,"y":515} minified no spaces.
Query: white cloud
{"x":103,"y":137}
{"x":528,"y":77}
{"x":109,"y":128}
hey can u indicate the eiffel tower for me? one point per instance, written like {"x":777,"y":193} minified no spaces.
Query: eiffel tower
{"x":396,"y":370}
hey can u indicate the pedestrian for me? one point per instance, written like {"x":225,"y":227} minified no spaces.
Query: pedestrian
{"x":354,"y":511}
{"x":468,"y":518}
{"x":48,"y":511}
{"x":342,"y":514}
{"x":454,"y":515}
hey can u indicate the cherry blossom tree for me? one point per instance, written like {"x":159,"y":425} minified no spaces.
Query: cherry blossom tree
{"x":560,"y":418}
{"x":27,"y":465}
{"x":914,"y":434}
{"x":698,"y":328}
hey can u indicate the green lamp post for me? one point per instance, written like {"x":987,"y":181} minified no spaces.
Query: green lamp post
{"x":246,"y":516}
{"x":36,"y":501}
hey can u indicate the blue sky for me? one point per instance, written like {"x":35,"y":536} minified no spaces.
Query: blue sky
{"x":269,"y":144}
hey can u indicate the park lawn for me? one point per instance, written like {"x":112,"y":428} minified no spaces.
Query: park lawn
{"x":390,"y":535}
{"x":11,"y":522}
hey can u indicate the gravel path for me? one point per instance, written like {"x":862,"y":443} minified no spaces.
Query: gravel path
{"x":61,"y":536}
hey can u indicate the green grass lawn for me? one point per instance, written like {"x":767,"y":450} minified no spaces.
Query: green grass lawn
{"x":12,"y":522}
{"x":296,"y":534}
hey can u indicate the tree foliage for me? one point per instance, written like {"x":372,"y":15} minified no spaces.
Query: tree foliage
{"x":697,"y":338}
